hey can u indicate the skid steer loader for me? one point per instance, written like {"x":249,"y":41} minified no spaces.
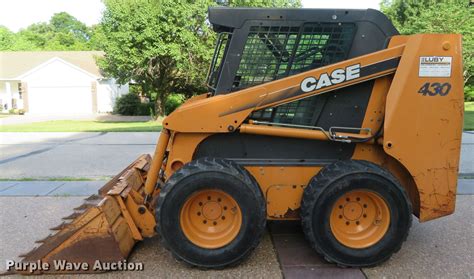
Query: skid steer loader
{"x":326,"y":116}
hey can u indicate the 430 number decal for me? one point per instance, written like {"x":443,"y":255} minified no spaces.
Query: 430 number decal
{"x":435,"y":88}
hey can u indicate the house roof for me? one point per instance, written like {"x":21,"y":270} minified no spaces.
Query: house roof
{"x":15,"y":63}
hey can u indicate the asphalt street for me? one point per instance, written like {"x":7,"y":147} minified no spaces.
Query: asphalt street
{"x":95,"y":155}
{"x":78,"y":155}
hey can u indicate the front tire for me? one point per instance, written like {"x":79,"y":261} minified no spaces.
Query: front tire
{"x":355,"y":213}
{"x":211,"y":213}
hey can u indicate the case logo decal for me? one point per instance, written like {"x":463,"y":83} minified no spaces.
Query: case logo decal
{"x":327,"y":79}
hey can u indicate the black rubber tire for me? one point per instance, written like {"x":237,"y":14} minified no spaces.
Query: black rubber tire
{"x":331,"y":183}
{"x":225,"y":176}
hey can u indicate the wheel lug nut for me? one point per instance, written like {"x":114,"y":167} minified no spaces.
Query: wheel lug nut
{"x":358,"y":199}
{"x":365,"y":206}
{"x":347,"y":223}
{"x":223,"y":218}
{"x":200,"y":203}
{"x":347,"y":199}
{"x":219,"y":199}
{"x":340,"y":207}
{"x":340,"y":216}
{"x":199,"y":213}
{"x":357,"y":223}
{"x":205,"y":221}
{"x":215,"y":223}
{"x":365,"y":215}
{"x":208,"y":198}
{"x":225,"y":207}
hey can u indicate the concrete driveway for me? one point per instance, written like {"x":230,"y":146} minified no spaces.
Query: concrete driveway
{"x":437,"y":249}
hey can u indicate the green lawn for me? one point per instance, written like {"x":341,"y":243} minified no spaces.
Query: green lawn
{"x":469,"y":116}
{"x":84,"y":126}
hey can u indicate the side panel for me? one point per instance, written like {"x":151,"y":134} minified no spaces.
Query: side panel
{"x":283,"y":188}
{"x":424,"y":118}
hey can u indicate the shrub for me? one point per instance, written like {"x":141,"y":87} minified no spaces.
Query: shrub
{"x":469,"y":93}
{"x":128,"y":104}
{"x":146,"y":109}
{"x":172,"y":102}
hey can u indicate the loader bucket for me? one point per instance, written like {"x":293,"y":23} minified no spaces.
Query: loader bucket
{"x":102,"y":230}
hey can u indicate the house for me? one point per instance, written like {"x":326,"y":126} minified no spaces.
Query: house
{"x":56,"y":82}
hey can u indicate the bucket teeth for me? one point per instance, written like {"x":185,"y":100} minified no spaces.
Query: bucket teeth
{"x":93,"y":198}
{"x":59,"y":227}
{"x":99,"y":229}
{"x":84,"y":206}
{"x":44,"y":239}
{"x":72,"y":216}
{"x":27,"y":254}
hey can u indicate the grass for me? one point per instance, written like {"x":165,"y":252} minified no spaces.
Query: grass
{"x":83,"y":126}
{"x":469,"y":116}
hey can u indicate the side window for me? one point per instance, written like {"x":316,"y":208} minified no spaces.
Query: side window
{"x":317,"y":45}
{"x":222,"y":46}
{"x":266,"y":55}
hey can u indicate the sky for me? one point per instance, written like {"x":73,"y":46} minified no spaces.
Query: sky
{"x":17,"y":14}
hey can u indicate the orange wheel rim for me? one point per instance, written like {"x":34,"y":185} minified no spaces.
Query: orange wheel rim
{"x":359,"y":219}
{"x":210,"y":218}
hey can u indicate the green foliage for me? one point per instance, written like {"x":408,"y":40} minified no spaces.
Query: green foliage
{"x":162,"y":45}
{"x":62,"y":32}
{"x":128,"y":104}
{"x":172,"y":102}
{"x":6,"y":38}
{"x":469,"y":116}
{"x":441,"y":16}
{"x":146,"y":109}
{"x":266,"y":3}
{"x":469,"y":92}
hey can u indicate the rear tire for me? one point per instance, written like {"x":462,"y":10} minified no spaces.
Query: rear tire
{"x":355,"y":213}
{"x":211,"y":213}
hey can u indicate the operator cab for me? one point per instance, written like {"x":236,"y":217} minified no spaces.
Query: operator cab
{"x":255,"y":46}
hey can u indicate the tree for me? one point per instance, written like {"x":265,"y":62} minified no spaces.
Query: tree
{"x":163,"y":45}
{"x":442,"y":16}
{"x":62,"y":32}
{"x":7,"y":38}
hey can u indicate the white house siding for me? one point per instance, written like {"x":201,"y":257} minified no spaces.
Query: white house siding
{"x":107,"y":93}
{"x":57,"y":88}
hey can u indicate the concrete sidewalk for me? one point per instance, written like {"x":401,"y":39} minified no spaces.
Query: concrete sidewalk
{"x":49,"y":188}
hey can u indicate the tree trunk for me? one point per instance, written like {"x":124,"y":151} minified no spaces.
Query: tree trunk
{"x":160,"y":104}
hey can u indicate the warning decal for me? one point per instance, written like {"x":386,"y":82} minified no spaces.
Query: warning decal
{"x":435,"y":66}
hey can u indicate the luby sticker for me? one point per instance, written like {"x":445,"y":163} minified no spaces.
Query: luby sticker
{"x":435,"y":66}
